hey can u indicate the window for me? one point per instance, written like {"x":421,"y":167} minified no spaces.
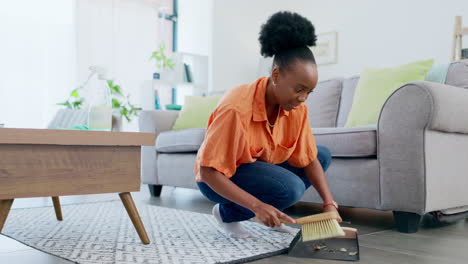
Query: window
{"x":37,"y":51}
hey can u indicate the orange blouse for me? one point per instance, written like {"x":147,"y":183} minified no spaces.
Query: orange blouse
{"x":238,"y":133}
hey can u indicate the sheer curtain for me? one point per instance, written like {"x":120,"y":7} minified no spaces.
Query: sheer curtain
{"x":37,"y":59}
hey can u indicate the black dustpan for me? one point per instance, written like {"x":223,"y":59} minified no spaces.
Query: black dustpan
{"x":329,"y":248}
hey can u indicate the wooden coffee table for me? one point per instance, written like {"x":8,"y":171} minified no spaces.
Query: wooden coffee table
{"x":45,"y":162}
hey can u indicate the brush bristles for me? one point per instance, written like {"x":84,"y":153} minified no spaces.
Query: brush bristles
{"x":316,"y":218}
{"x":321,"y":230}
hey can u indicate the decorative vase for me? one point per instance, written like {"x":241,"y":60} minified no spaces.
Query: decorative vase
{"x":117,"y":120}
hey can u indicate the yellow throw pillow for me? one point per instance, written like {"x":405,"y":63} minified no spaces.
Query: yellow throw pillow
{"x":376,"y":85}
{"x":196,"y":112}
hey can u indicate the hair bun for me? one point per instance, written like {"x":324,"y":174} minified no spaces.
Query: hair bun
{"x":284,"y":31}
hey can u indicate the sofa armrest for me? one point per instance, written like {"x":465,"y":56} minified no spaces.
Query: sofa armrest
{"x":153,"y":121}
{"x":406,"y":116}
{"x":450,"y":108}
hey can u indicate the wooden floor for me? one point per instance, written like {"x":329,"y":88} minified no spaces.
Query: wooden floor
{"x":379,"y":242}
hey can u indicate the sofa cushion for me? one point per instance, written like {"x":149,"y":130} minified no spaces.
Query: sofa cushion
{"x":342,"y":141}
{"x":347,"y":95}
{"x":457,"y":74}
{"x":324,"y":102}
{"x":187,"y":140}
{"x":196,"y":112}
{"x":376,"y":85}
{"x":348,"y":141}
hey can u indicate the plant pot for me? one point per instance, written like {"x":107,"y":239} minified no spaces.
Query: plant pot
{"x":117,"y":121}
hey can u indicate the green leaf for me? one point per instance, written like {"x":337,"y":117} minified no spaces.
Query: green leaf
{"x":77,"y":105}
{"x":155,"y":56}
{"x":124,"y":112}
{"x":67,"y":104}
{"x":115,"y":103}
{"x":114,"y":89}
{"x":75,"y":94}
{"x":117,"y":89}
{"x":162,"y":61}
{"x":170,"y":64}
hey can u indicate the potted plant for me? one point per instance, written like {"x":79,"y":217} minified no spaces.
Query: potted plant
{"x":121,"y":105}
{"x":163,"y":62}
{"x":167,"y":74}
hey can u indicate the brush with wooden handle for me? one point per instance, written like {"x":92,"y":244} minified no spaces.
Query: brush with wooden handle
{"x":320,"y":226}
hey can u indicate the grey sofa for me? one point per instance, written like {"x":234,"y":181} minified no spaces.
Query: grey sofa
{"x":413,"y":161}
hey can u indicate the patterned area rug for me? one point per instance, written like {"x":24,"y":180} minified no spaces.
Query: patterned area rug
{"x":103,"y":233}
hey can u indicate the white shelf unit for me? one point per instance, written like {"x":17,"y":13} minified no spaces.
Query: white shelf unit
{"x":198,"y":67}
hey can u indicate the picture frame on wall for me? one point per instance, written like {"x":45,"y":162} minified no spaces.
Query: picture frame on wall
{"x":326,"y":48}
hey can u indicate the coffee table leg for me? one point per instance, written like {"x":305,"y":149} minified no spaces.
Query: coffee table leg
{"x":5,"y":206}
{"x":132,"y":211}
{"x":58,"y":209}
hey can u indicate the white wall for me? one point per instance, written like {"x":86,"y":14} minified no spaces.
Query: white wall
{"x":120,"y":34}
{"x":42,"y":59}
{"x":37,"y":59}
{"x":195,"y":31}
{"x":370,"y":33}
{"x":195,"y":26}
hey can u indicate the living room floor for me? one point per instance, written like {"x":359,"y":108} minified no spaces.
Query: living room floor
{"x":379,"y":241}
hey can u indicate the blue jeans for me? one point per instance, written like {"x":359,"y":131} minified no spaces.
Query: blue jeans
{"x":280,"y":185}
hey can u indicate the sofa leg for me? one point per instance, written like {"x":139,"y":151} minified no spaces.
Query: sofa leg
{"x":155,"y":190}
{"x":406,"y":222}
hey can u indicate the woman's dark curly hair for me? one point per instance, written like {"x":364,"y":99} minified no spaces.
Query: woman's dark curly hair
{"x":287,"y":36}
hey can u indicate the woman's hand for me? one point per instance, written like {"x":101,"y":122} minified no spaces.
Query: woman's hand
{"x":270,"y":216}
{"x":331,"y":208}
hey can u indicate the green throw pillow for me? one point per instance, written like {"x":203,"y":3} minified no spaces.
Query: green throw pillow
{"x":376,"y":85}
{"x":196,"y":112}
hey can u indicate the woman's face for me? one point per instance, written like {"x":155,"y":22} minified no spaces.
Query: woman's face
{"x":294,"y":85}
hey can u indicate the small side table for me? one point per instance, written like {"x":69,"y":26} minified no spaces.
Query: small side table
{"x":45,"y":162}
